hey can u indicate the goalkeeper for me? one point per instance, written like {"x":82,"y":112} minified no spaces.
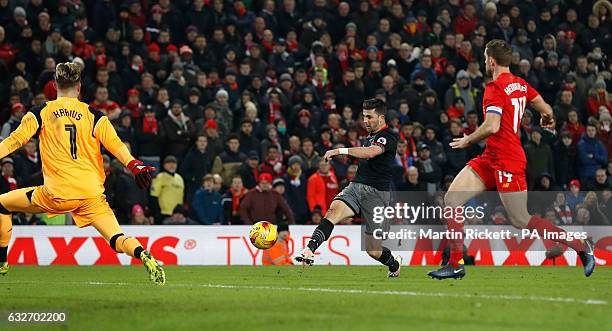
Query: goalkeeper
{"x":70,"y":134}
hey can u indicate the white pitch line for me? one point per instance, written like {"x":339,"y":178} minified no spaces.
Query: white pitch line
{"x":372,"y":292}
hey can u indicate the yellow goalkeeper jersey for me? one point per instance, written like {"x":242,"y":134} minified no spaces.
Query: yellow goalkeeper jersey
{"x":70,"y":133}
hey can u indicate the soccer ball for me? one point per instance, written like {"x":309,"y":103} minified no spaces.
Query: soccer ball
{"x":263,"y":235}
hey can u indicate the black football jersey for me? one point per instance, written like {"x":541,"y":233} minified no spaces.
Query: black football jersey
{"x":376,"y":172}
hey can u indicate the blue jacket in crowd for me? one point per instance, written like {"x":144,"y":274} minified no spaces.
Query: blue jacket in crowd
{"x":207,"y":206}
{"x":592,"y":155}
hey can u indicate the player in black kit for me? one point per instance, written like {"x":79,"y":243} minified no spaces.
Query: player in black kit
{"x":369,"y":188}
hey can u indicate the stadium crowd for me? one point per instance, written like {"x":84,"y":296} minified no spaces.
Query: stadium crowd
{"x":235,"y":102}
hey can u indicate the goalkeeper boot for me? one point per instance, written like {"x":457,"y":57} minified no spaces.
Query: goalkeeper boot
{"x":448,"y":271}
{"x":306,"y":256}
{"x":156,"y":272}
{"x":588,"y":257}
{"x":4,"y":268}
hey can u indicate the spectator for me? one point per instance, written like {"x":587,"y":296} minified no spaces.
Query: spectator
{"x":262,"y":203}
{"x":178,"y":131}
{"x":193,"y":109}
{"x":211,"y":130}
{"x":273,"y":162}
{"x":179,"y":217}
{"x":564,"y":107}
{"x":138,"y":216}
{"x":583,"y":216}
{"x":17,"y":112}
{"x":604,"y":135}
{"x":107,"y":106}
{"x":539,"y":157}
{"x":592,"y":154}
{"x":167,"y":190}
{"x":231,"y":201}
{"x":8,"y":181}
{"x":573,"y":126}
{"x":206,"y":203}
{"x":249,"y":170}
{"x":295,"y":191}
{"x":462,"y":88}
{"x":126,"y":131}
{"x":564,"y":152}
{"x":228,"y":163}
{"x":562,"y":210}
{"x":436,"y":147}
{"x":598,"y":97}
{"x":574,"y":197}
{"x":248,"y":142}
{"x":322,"y":188}
{"x":28,"y":166}
{"x":148,"y":138}
{"x":456,"y":158}
{"x":591,"y":203}
{"x":600,"y":182}
{"x":196,"y":164}
{"x":413,"y":183}
{"x":429,"y":171}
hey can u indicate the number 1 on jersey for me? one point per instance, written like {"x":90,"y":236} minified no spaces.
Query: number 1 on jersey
{"x":73,"y":146}
{"x":519,"y":110}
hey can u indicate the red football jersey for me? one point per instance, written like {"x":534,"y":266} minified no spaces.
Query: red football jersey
{"x":507,"y":96}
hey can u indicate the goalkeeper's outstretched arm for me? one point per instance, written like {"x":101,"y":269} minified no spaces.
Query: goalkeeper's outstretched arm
{"x":24,"y":132}
{"x":107,"y":135}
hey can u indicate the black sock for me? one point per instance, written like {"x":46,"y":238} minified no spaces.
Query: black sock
{"x":387,"y":259}
{"x":137,"y":251}
{"x":3,"y":251}
{"x":320,"y":234}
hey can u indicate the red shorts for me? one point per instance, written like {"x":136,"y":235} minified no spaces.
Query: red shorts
{"x":504,"y":181}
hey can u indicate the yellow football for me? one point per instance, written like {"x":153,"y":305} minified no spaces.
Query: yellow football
{"x":263,"y":234}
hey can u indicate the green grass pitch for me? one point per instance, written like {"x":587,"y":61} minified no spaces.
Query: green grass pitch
{"x":310,"y":298}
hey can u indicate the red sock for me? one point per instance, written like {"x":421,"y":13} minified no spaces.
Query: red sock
{"x":540,"y":224}
{"x":456,"y":245}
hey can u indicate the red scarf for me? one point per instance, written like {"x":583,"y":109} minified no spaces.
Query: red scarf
{"x":411,"y":146}
{"x":274,"y":113}
{"x":236,"y":196}
{"x":11,"y":181}
{"x":292,"y":46}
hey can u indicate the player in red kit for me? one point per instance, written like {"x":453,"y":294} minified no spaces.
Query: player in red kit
{"x":502,"y":164}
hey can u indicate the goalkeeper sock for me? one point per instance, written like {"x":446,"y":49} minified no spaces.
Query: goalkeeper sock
{"x":320,"y":234}
{"x":129,"y":246}
{"x":138,"y":251}
{"x":3,"y":253}
{"x":387,"y":259}
{"x":6,"y":228}
{"x":541,"y":226}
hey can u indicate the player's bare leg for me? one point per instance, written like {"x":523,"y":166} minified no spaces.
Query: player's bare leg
{"x":337,"y":212}
{"x":13,"y":201}
{"x":515,"y":204}
{"x":378,"y":252}
{"x":110,"y":230}
{"x":466,"y":185}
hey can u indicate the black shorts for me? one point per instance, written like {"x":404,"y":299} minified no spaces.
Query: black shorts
{"x":364,"y":199}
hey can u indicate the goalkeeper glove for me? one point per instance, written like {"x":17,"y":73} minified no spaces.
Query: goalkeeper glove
{"x":142,"y":173}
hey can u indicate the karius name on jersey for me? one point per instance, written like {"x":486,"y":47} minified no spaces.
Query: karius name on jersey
{"x":65,"y":112}
{"x":515,"y":86}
